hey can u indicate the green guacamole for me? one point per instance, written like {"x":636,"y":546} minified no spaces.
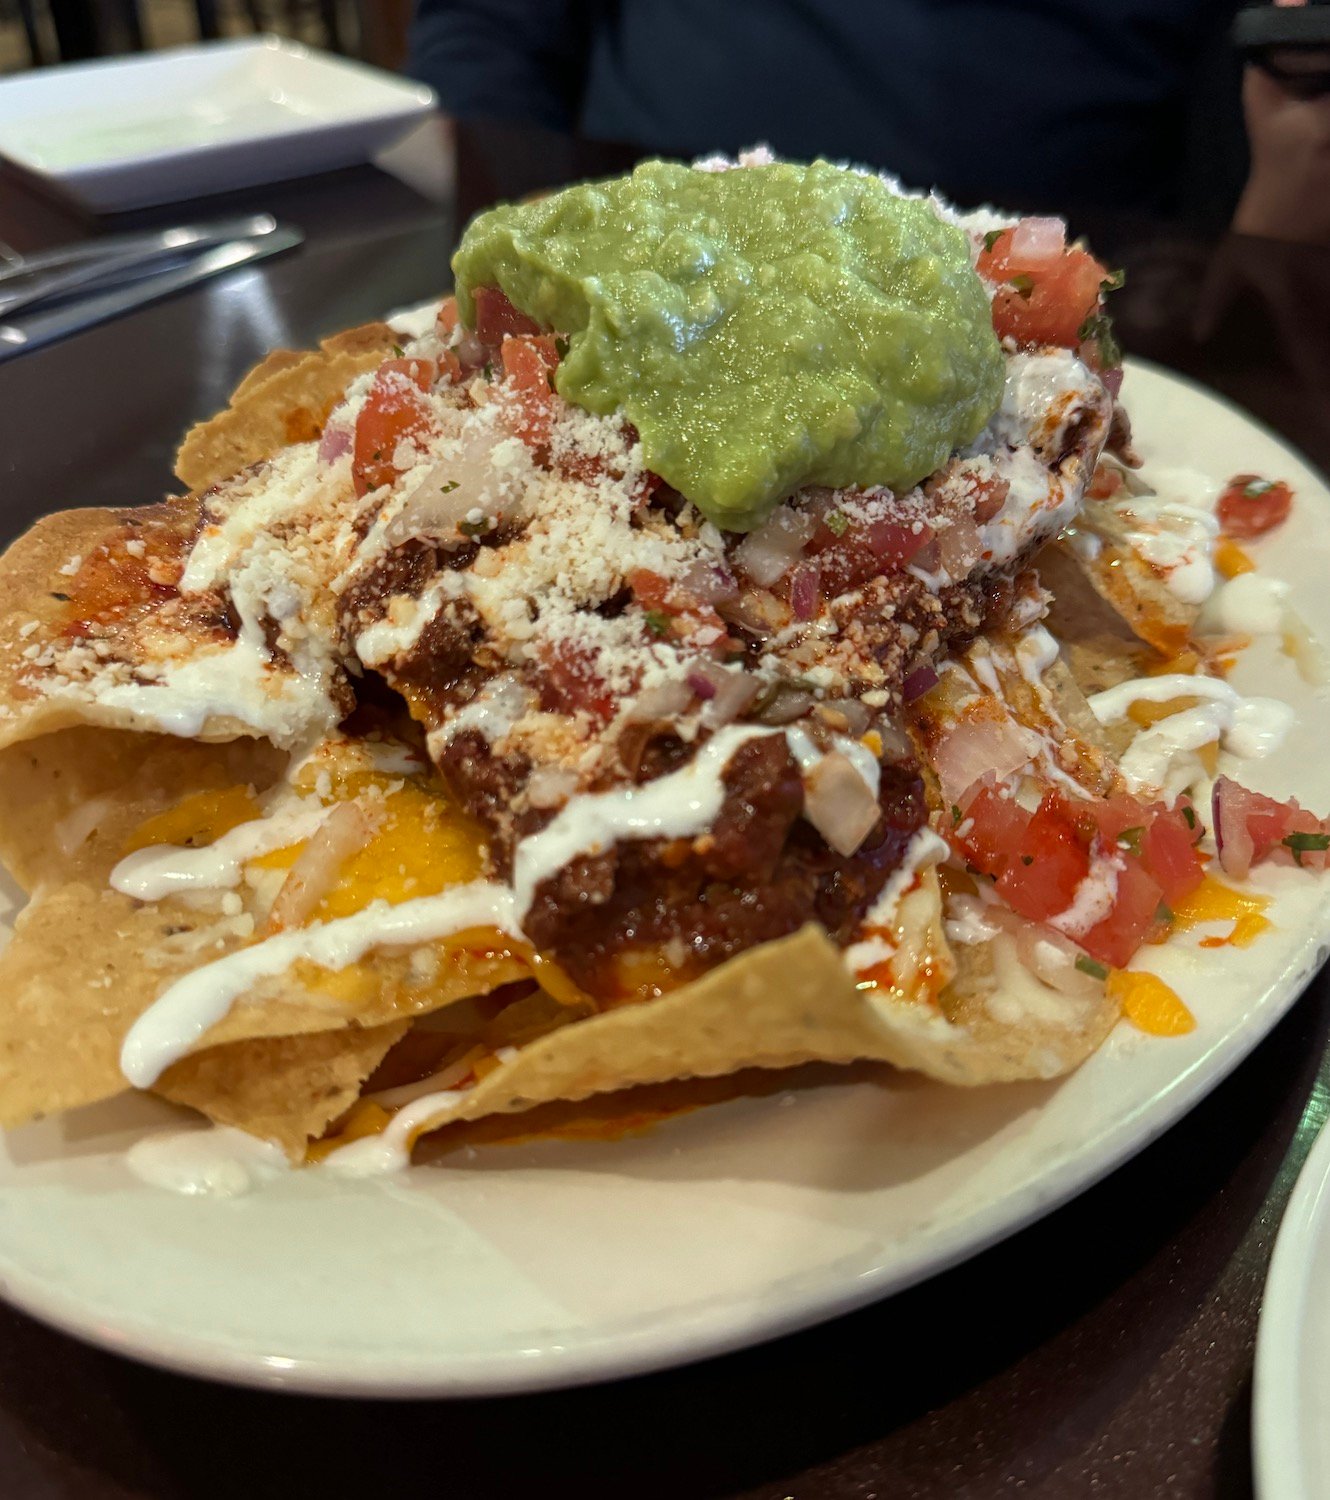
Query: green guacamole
{"x":762,"y":328}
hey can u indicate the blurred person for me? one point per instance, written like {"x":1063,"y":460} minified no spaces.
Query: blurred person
{"x":1029,"y":103}
{"x":1286,"y":100}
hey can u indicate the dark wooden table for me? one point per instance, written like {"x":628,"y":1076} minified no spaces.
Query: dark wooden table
{"x":1106,"y":1351}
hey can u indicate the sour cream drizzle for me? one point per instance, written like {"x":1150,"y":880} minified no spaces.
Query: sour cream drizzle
{"x":390,"y":1149}
{"x":165,"y":869}
{"x":1249,"y":727}
{"x":680,"y":805}
{"x":196,"y":1002}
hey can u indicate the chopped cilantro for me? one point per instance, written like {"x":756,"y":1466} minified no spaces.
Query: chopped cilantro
{"x":658,"y":622}
{"x":474,"y":528}
{"x":1190,"y":815}
{"x":488,"y":371}
{"x":1023,"y":284}
{"x":1306,"y":843}
{"x":1088,"y":965}
{"x":63,"y":598}
{"x":992,"y":237}
{"x":1099,"y":328}
{"x":448,"y":488}
{"x":1113,"y":281}
{"x":837,"y":522}
{"x":399,"y":351}
{"x":955,"y":815}
{"x":1130,"y":839}
{"x":1164,"y":913}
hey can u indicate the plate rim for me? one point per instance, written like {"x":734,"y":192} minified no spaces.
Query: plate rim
{"x":703,"y":1333}
{"x":1278,"y":1455}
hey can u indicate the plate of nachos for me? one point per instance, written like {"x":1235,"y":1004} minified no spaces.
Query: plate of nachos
{"x":725,"y":766}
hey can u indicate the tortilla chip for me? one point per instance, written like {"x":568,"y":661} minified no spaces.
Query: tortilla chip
{"x":792,"y":1001}
{"x":84,"y":963}
{"x":1130,"y":586}
{"x":33,"y":614}
{"x":70,"y":801}
{"x":284,"y":1089}
{"x":284,"y":400}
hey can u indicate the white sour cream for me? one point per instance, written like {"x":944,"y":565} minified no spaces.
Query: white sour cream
{"x":216,"y":1162}
{"x":197,"y":1001}
{"x":167,"y":869}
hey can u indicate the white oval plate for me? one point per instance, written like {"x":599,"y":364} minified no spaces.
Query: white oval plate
{"x":518,"y":1267}
{"x":1291,"y":1398}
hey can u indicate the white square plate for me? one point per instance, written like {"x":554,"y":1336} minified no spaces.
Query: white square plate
{"x":129,"y":132}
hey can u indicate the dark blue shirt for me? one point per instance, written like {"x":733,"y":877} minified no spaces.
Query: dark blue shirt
{"x":1028,"y":103}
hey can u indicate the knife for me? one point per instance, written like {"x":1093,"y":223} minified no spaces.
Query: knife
{"x":47,"y":278}
{"x":178,"y":237}
{"x":40,"y":328}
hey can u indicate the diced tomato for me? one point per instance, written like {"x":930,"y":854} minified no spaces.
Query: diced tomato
{"x":993,"y":826}
{"x":1135,"y":909}
{"x":394,"y":411}
{"x":497,"y":318}
{"x":1040,"y":860}
{"x":1250,"y":506}
{"x":446,"y":319}
{"x":1044,"y":297}
{"x":673,"y":610}
{"x":1053,"y":859}
{"x":529,"y":364}
{"x":849,"y":553}
{"x":570,"y":684}
{"x":1251,"y":827}
{"x":1169,"y":855}
{"x":1106,"y":483}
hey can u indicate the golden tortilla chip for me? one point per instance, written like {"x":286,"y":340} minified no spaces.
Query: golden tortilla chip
{"x":69,"y":801}
{"x":792,"y":1001}
{"x":1127,"y":583}
{"x":284,"y":400}
{"x":284,"y":1089}
{"x":84,"y":963}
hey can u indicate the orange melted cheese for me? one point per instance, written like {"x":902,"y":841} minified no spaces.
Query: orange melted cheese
{"x":1213,"y":901}
{"x":1149,"y":1003}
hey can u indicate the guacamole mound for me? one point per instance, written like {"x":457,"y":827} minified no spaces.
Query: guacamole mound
{"x":763,"y":328}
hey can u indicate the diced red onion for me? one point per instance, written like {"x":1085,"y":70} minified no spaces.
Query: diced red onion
{"x":857,"y":718}
{"x":663,"y":701}
{"x":1038,"y":239}
{"x":344,"y":832}
{"x":805,"y":591}
{"x":1113,"y":381}
{"x":786,"y":702}
{"x":447,"y":494}
{"x":702,"y":687}
{"x":1051,"y":958}
{"x":709,"y":584}
{"x":335,"y":441}
{"x":976,"y":747}
{"x":765,"y":555}
{"x":756,"y":611}
{"x":1233,"y":842}
{"x":918,"y":683}
{"x":732,"y":691}
{"x":839,"y":803}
